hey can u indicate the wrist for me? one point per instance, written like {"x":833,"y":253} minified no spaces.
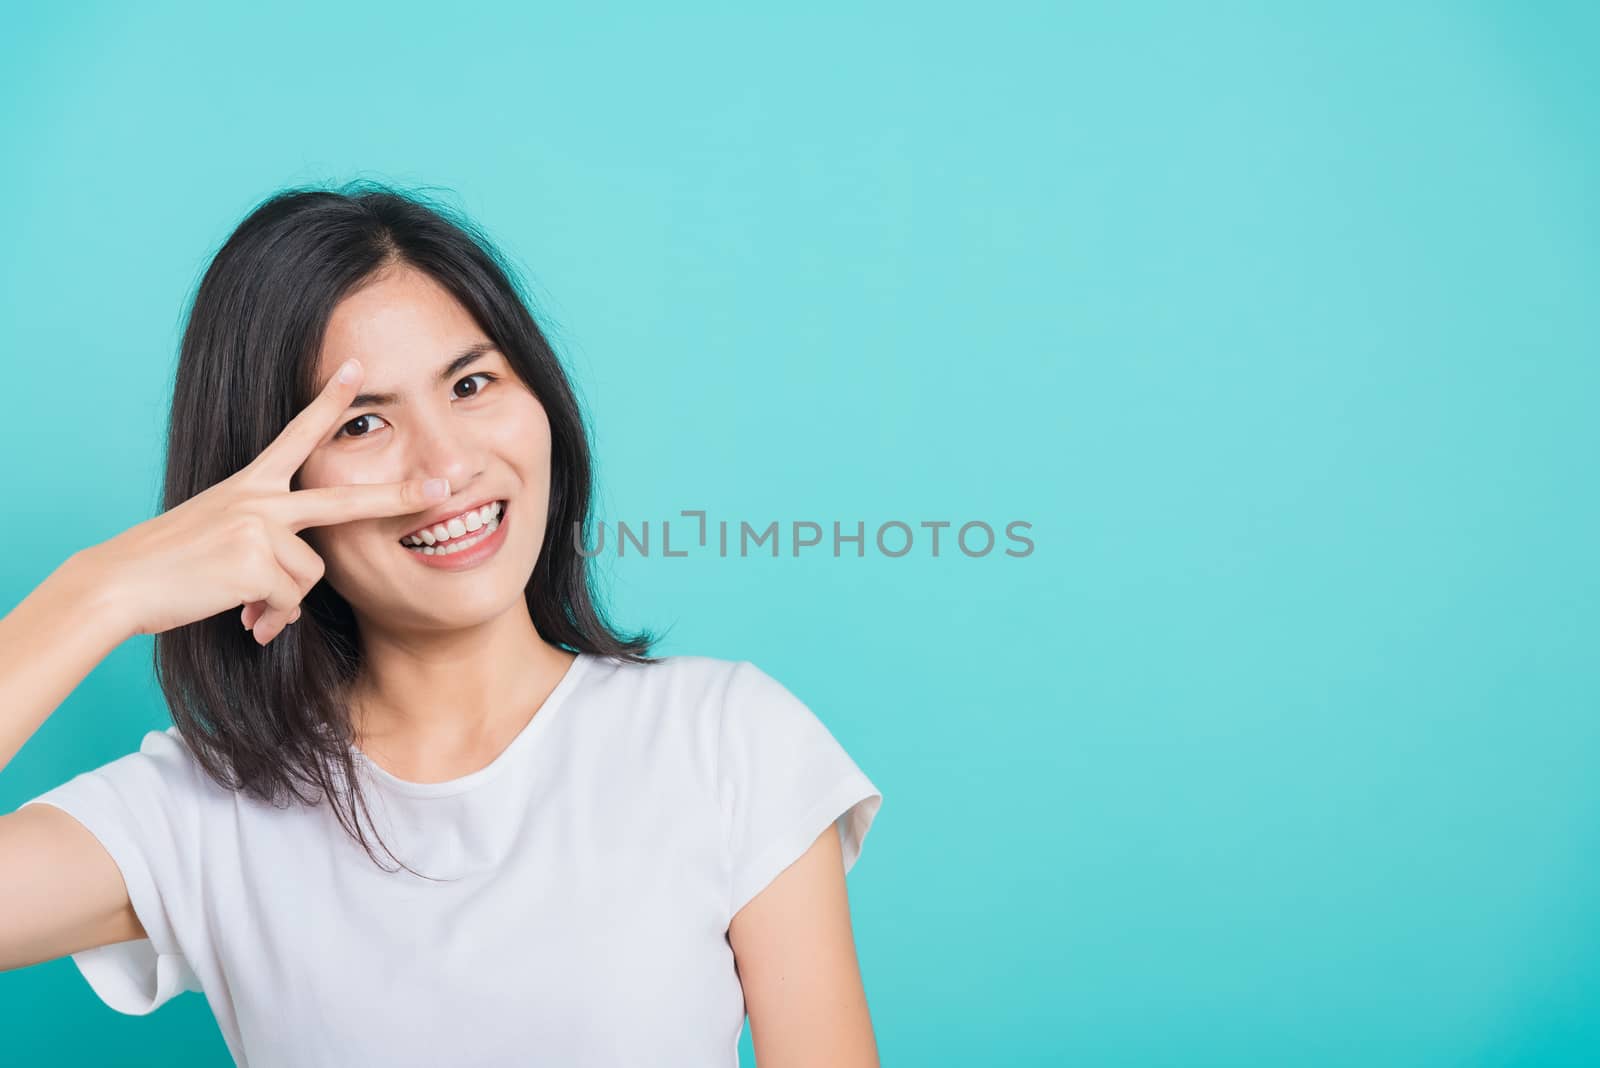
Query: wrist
{"x":92,"y":586}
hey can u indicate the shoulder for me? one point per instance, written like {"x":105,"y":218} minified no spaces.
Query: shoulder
{"x":161,"y":777}
{"x":169,"y":755}
{"x":710,"y":704}
{"x":681,"y":680}
{"x":735,"y":707}
{"x":162,"y":762}
{"x":168,"y":750}
{"x":709,"y":687}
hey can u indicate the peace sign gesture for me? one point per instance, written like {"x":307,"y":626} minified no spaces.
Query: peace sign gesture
{"x":237,"y":543}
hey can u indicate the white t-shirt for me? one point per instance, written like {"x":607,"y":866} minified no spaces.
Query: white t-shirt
{"x":594,"y":864}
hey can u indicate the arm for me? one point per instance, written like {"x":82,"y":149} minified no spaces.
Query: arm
{"x":48,"y":645}
{"x":60,"y":891}
{"x":796,"y":956}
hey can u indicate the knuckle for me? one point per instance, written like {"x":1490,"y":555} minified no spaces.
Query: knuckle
{"x":254,"y":477}
{"x":249,"y":525}
{"x":258,"y":558}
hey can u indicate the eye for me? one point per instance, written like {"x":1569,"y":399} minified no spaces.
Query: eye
{"x":469,"y":378}
{"x":346,"y":432}
{"x":349,"y":429}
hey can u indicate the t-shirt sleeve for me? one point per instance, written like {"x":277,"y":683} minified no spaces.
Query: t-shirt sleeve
{"x":143,"y":809}
{"x":784,"y":778}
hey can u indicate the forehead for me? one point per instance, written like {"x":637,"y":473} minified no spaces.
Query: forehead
{"x":399,"y":324}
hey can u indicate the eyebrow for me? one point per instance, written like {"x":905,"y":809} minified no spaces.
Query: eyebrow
{"x":466,"y":357}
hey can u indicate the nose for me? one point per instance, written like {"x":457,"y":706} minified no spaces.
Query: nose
{"x":444,"y":445}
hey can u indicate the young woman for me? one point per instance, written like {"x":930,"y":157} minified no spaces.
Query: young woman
{"x":420,"y":803}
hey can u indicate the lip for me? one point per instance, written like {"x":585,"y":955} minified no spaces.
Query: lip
{"x":465,"y":558}
{"x":445,"y":516}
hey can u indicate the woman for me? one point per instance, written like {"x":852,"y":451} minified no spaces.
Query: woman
{"x":424,"y":806}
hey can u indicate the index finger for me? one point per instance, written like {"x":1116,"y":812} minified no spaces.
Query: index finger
{"x":301,"y":435}
{"x":330,"y":505}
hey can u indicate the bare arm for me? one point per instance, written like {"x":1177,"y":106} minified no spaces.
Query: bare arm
{"x":796,"y":958}
{"x":48,"y":645}
{"x":60,"y":891}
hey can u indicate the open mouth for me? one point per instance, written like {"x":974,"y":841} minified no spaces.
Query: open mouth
{"x":458,"y":532}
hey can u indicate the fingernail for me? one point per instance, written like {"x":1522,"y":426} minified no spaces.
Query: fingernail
{"x":436,"y":489}
{"x":348,"y":371}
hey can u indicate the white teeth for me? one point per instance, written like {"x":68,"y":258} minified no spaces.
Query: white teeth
{"x":460,"y":544}
{"x":457,"y":527}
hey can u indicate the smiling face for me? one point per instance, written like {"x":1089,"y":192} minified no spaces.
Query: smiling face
{"x":437,"y":400}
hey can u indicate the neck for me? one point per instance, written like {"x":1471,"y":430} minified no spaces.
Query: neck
{"x":434,"y":705}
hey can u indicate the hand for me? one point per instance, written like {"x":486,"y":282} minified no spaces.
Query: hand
{"x":237,"y":543}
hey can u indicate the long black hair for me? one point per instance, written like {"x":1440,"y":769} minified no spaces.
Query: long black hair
{"x":273,"y":721}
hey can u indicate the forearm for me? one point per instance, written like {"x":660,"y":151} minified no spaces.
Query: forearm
{"x":49,"y":643}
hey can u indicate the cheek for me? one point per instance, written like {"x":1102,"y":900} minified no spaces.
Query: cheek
{"x":529,"y":432}
{"x":321,"y":470}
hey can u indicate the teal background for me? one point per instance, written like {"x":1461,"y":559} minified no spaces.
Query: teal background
{"x":1277,"y":322}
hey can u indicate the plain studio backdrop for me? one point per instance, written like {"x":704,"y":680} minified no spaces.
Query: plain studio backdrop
{"x":1277,"y":324}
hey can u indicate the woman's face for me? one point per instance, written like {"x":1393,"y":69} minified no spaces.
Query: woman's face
{"x":475,"y":424}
